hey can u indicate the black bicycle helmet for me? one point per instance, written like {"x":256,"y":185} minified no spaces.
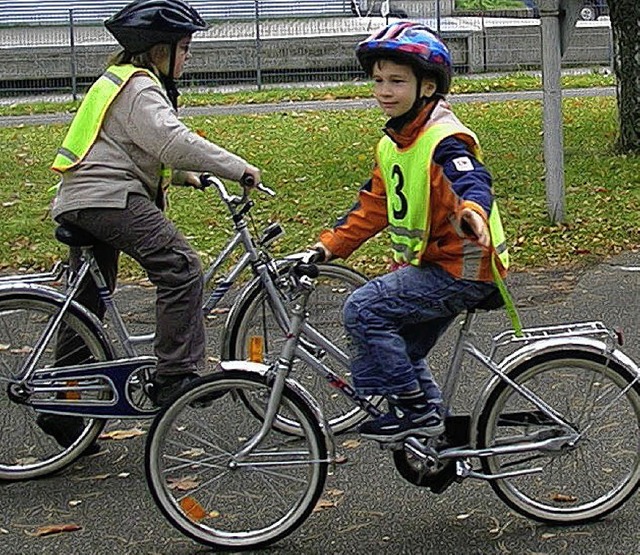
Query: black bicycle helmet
{"x":145,"y":23}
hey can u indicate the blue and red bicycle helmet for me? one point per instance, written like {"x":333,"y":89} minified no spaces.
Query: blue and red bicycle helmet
{"x":411,"y":43}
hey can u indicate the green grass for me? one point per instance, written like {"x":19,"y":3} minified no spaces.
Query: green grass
{"x":500,"y":83}
{"x":489,"y":4}
{"x":317,"y":160}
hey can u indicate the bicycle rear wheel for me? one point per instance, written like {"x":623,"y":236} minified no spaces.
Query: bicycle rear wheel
{"x":212,"y":496}
{"x":26,"y":451}
{"x":578,"y":482}
{"x":256,"y":323}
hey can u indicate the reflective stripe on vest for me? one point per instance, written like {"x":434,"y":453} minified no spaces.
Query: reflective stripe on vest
{"x":86,"y":124}
{"x":406,"y":176}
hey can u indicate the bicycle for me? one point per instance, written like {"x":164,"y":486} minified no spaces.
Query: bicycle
{"x":555,"y":430}
{"x":56,"y":357}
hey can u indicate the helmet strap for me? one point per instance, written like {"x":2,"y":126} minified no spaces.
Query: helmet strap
{"x":168,"y":81}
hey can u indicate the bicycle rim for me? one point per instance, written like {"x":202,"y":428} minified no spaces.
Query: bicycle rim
{"x":258,"y":325}
{"x":26,"y":450}
{"x":577,"y":483}
{"x":217,"y":500}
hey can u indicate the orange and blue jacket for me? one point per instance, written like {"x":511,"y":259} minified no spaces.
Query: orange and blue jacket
{"x":457,"y":179}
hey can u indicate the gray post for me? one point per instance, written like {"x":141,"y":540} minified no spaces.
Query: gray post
{"x":258,"y":47}
{"x":73,"y":60}
{"x":552,"y":109}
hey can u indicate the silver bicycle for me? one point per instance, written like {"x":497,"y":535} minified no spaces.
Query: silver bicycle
{"x":56,"y":357}
{"x":555,"y":430}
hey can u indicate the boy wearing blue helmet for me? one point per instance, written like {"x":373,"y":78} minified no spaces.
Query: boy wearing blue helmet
{"x":432,"y":192}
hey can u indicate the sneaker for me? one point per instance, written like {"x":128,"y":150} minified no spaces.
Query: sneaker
{"x":400,"y":423}
{"x":65,"y":430}
{"x":165,"y":388}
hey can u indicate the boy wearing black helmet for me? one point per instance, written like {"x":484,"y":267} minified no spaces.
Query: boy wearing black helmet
{"x":125,"y":145}
{"x":432,"y":192}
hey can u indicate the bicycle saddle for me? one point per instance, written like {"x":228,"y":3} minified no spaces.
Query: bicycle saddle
{"x":491,"y":302}
{"x":74,"y":236}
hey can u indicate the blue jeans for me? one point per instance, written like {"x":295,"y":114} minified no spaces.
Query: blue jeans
{"x":394,"y":320}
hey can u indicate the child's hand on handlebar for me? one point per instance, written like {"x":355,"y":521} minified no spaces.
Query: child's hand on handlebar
{"x":251,"y":177}
{"x":327,"y":254}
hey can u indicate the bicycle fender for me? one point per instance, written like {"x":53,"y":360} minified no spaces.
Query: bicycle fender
{"x":297,"y":387}
{"x":237,"y":308}
{"x":234,"y":314}
{"x":538,"y":348}
{"x":38,"y":290}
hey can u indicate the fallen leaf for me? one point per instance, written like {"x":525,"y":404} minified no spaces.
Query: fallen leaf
{"x":192,"y":453}
{"x":323,"y":504}
{"x":334,"y":492}
{"x":183,"y":484}
{"x":122,"y":434}
{"x":54,"y":529}
{"x":352,"y":443}
{"x":96,"y":477}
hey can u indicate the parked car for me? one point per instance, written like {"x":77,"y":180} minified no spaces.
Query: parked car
{"x":590,"y":10}
{"x":375,"y":7}
{"x":593,"y":9}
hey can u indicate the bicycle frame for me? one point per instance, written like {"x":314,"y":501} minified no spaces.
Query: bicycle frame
{"x":585,"y":336}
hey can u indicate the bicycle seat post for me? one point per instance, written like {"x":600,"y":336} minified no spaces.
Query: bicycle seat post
{"x":453,"y":373}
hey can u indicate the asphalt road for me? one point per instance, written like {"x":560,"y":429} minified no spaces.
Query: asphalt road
{"x":369,"y":508}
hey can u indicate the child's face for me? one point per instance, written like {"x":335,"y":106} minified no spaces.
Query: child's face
{"x":161,"y":54}
{"x":395,"y":87}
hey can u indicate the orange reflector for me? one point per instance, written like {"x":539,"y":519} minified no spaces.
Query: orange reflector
{"x":71,"y":394}
{"x":256,"y":348}
{"x":193,"y":509}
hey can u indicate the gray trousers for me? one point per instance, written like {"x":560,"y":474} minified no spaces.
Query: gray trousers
{"x":143,"y":232}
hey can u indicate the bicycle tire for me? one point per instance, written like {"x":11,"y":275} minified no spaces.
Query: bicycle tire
{"x":216,"y":499}
{"x":253,"y":317}
{"x":581,"y":483}
{"x":27,"y":451}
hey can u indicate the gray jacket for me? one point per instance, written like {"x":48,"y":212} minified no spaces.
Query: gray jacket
{"x":140,"y":132}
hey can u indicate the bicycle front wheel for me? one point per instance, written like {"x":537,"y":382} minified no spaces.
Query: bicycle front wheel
{"x":257,"y":324}
{"x":217,"y":498}
{"x":577,"y":481}
{"x":27,"y":450}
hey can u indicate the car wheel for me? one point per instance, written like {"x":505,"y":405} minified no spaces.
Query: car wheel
{"x":588,"y":13}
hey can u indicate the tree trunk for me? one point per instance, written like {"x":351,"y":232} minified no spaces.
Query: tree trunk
{"x":625,"y":23}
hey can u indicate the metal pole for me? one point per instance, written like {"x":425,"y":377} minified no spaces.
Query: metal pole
{"x":73,"y":60}
{"x":258,"y":47}
{"x":438,"y":16}
{"x":552,"y":108}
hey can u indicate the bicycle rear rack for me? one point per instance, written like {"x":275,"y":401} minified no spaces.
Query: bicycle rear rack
{"x":55,"y":274}
{"x":594,"y":329}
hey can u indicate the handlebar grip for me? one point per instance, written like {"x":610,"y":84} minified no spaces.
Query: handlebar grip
{"x":205,"y":180}
{"x":247,"y":180}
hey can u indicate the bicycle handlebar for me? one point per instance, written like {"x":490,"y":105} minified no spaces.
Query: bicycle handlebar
{"x":247,"y":182}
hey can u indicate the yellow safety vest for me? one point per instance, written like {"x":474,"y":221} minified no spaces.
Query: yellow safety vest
{"x":84,"y":129}
{"x":407,"y":182}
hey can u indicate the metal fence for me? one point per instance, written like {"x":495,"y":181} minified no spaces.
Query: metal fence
{"x":61,"y":47}
{"x":47,"y":12}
